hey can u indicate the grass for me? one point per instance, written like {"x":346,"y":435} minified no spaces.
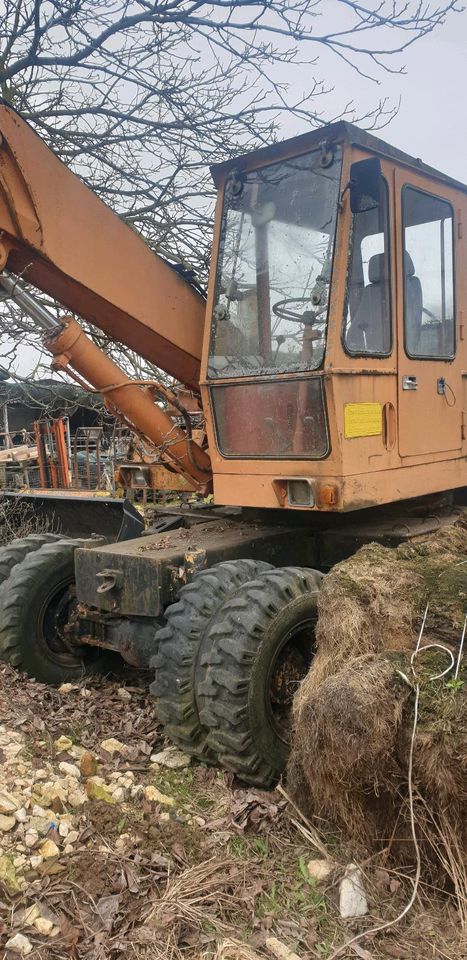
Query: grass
{"x":292,"y":893}
{"x":248,"y":848}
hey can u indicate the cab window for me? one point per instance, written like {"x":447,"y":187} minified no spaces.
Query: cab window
{"x":429,"y":324}
{"x":367,"y":323}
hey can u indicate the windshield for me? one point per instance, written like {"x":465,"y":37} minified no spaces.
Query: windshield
{"x":274,"y":272}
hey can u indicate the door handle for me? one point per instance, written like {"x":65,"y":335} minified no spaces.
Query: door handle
{"x":409,"y":383}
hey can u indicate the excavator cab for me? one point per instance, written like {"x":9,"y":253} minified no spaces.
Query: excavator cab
{"x":332,"y":369}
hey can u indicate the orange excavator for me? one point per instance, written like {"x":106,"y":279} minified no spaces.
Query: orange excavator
{"x":328,"y":366}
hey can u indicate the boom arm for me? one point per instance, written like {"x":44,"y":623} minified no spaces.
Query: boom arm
{"x":59,"y":236}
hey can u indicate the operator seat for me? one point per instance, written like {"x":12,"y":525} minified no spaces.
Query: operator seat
{"x":369,"y":331}
{"x":413,"y":306}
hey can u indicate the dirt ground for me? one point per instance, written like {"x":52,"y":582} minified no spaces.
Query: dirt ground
{"x":106,"y":853}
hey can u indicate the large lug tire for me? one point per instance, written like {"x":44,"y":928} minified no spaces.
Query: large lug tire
{"x":179,"y":644}
{"x":15,"y":551}
{"x":35,"y":603}
{"x":255,"y":654}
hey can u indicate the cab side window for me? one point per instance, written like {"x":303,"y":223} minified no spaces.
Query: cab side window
{"x":367,"y":323}
{"x":429,"y":323}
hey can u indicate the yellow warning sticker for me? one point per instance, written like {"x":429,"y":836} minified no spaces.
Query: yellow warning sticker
{"x":363,"y":419}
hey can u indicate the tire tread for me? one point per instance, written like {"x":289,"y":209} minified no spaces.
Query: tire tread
{"x":235,"y":639}
{"x":179,"y":644}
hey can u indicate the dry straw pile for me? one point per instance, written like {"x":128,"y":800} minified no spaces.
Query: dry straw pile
{"x":353,"y":715}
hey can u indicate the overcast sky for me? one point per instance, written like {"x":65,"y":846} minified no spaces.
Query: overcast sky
{"x":431,"y":122}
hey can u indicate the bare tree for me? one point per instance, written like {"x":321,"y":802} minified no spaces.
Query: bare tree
{"x":140,"y":96}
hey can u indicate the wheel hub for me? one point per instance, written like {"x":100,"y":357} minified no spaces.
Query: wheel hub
{"x":287,"y":671}
{"x":56,"y":620}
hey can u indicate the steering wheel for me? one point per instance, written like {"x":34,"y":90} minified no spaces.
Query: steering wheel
{"x":281,"y":310}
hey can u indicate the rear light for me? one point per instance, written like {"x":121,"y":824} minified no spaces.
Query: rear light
{"x":300,"y":493}
{"x":328,"y":494}
{"x":307,"y":492}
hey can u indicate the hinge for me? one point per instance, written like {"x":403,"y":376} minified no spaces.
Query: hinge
{"x":459,"y":226}
{"x":463,"y":426}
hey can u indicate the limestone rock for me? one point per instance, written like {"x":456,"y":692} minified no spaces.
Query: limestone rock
{"x":76,"y":798}
{"x":352,"y":896}
{"x":11,"y":750}
{"x":8,"y":874}
{"x":320,"y":869}
{"x":118,"y":794}
{"x":155,"y":796}
{"x":31,"y":914}
{"x":8,"y":804}
{"x":280,"y":950}
{"x":41,"y":824}
{"x":88,"y":765}
{"x":19,"y":944}
{"x":44,"y":926}
{"x":112,"y":746}
{"x":69,"y":769}
{"x":31,"y":837}
{"x":53,"y":790}
{"x":6,"y":823}
{"x":98,"y":791}
{"x":172,"y":758}
{"x":49,"y":849}
{"x":63,"y":744}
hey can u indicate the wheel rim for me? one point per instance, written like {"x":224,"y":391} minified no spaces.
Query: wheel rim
{"x":55,"y":611}
{"x":288,"y":668}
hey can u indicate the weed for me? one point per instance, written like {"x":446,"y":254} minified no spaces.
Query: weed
{"x":178,"y":785}
{"x":323,"y":948}
{"x":239,"y":848}
{"x":260,"y":846}
{"x":285,"y":897}
{"x":203,"y":803}
{"x":244,"y":848}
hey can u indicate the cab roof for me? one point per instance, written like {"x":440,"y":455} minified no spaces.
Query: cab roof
{"x":333,"y":132}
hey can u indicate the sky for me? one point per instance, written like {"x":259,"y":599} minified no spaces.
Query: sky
{"x":431,"y":121}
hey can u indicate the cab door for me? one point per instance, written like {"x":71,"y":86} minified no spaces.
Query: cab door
{"x":429,"y":387}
